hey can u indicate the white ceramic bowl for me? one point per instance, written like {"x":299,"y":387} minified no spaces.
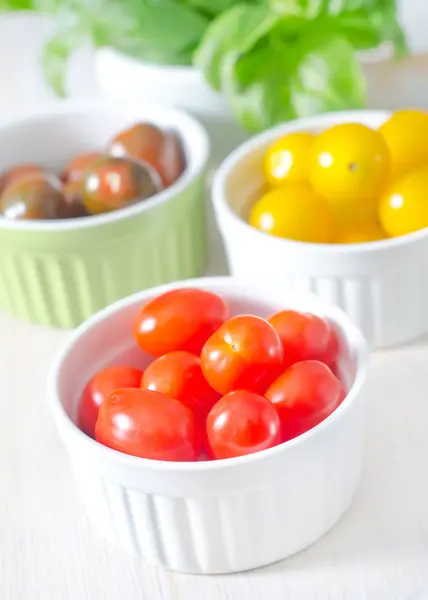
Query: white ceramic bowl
{"x":382,"y":286}
{"x":219,"y":516}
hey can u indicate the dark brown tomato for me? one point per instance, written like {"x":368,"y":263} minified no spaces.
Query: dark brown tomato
{"x":16,"y":172}
{"x":73,"y":194}
{"x":33,"y":196}
{"x":142,"y":141}
{"x":173,"y":160}
{"x":112,"y":183}
{"x":77,"y":167}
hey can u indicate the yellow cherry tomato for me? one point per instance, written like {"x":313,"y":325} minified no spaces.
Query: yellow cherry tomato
{"x":353,"y":213}
{"x":364,"y":232}
{"x":404,"y":207}
{"x":349,"y":162}
{"x":406,"y":134}
{"x":294,"y":211}
{"x":286,"y":159}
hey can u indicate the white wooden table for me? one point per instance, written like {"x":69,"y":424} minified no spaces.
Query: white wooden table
{"x":378,"y":551}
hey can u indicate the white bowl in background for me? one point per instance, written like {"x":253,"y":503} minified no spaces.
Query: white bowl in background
{"x":382,"y":286}
{"x":23,"y":35}
{"x":218,"y":516}
{"x":120,"y":77}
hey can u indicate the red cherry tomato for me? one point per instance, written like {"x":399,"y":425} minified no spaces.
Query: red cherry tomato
{"x":181,"y":319}
{"x":304,"y":395}
{"x":97,"y":390}
{"x":147,"y":424}
{"x":244,"y":354}
{"x":242,"y":423}
{"x":333,"y":352}
{"x":304,"y":337}
{"x":179,"y":375}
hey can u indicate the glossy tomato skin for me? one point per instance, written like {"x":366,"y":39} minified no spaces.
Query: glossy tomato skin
{"x":333,"y":352}
{"x":111,"y":183}
{"x":17,"y":172}
{"x":349,"y":163}
{"x":283,"y":212}
{"x":370,"y":231}
{"x":142,"y":141}
{"x":304,"y":395}
{"x":304,"y":337}
{"x":78,"y":165}
{"x":181,"y":319}
{"x":32,"y":197}
{"x":161,"y":150}
{"x":73,"y":194}
{"x":405,"y":133}
{"x":286,"y":159}
{"x":403,"y":208}
{"x":242,"y":423}
{"x":246,"y":353}
{"x":179,"y":375}
{"x":148,"y":425}
{"x":173,"y":161}
{"x":99,"y":388}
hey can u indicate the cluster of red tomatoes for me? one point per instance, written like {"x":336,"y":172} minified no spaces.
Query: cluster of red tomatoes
{"x":219,"y":386}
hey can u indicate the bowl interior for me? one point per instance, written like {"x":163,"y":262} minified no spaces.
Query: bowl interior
{"x":107,"y":338}
{"x":241,"y":177}
{"x":53,"y":139}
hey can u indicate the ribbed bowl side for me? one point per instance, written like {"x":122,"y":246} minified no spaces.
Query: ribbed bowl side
{"x":241,"y":529}
{"x":62,"y":278}
{"x":388,"y":306}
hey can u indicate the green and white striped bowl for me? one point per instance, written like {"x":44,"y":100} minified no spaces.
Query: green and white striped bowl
{"x":60,"y":272}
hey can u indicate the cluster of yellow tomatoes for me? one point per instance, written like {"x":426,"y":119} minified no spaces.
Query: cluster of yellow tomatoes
{"x":347,"y":184}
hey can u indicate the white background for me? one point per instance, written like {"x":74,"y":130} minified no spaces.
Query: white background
{"x":48,"y":551}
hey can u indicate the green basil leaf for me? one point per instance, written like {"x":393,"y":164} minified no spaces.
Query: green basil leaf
{"x":386,"y":19}
{"x":340,"y":7}
{"x":154,"y":30}
{"x":47,"y":6}
{"x":359,"y":31}
{"x":43,"y":6}
{"x":288,"y":30}
{"x":236,"y":31}
{"x":272,"y":85}
{"x":328,"y":77}
{"x":56,"y":55}
{"x":12,"y":5}
{"x":74,"y":20}
{"x":162,"y":30}
{"x":258,"y":88}
{"x":309,"y":9}
{"x":364,"y":23}
{"x":371,"y":25}
{"x":214,"y":7}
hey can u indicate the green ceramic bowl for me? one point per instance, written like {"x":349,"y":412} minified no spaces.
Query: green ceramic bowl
{"x":61,"y":272}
